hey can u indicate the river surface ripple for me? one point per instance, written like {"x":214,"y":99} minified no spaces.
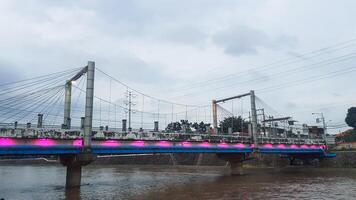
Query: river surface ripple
{"x":168,"y":182}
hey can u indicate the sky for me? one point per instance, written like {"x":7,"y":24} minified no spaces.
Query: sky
{"x":298,"y":56}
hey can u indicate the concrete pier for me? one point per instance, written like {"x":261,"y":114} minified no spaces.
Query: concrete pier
{"x":74,"y":176}
{"x":74,"y":164}
{"x":235,"y":161}
{"x":236,"y":168}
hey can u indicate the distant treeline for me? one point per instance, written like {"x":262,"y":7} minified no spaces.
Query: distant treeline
{"x":347,"y":136}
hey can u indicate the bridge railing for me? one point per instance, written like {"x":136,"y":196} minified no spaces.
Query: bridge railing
{"x":283,"y":140}
{"x":102,"y":134}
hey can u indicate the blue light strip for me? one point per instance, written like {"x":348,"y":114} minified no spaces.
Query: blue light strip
{"x":101,"y":150}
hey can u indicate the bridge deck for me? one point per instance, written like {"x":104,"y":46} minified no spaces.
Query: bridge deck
{"x":16,"y":146}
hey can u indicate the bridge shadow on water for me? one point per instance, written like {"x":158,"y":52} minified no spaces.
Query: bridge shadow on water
{"x":171,"y":183}
{"x":286,"y":183}
{"x":177,"y":182}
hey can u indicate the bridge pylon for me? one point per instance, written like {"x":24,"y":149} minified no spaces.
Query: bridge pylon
{"x":253,"y":113}
{"x":75,"y":162}
{"x":88,"y":120}
{"x":68,"y":97}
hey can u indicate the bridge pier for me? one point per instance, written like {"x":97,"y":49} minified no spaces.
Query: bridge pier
{"x":74,"y":164}
{"x":236,"y":168}
{"x":74,"y":175}
{"x":235,"y":161}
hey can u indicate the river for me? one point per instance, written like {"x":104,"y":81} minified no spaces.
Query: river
{"x":167,"y":182}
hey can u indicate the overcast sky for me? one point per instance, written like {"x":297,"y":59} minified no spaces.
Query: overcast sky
{"x":194,"y":51}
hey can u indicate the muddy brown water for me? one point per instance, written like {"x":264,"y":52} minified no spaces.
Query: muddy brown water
{"x":172,"y":182}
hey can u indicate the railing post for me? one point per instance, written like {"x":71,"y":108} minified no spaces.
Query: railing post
{"x":82,"y":121}
{"x":40,"y":121}
{"x":88,"y":121}
{"x":124,"y":126}
{"x":155,"y":126}
{"x":254,"y":118}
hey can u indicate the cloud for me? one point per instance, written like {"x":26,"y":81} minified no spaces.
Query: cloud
{"x":9,"y":72}
{"x":148,"y":43}
{"x":291,"y":105}
{"x":336,"y":94}
{"x":130,"y":68}
{"x":298,"y":55}
{"x":244,"y":40}
{"x":258,"y":75}
{"x":184,"y":35}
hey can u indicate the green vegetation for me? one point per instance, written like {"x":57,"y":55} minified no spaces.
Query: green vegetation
{"x":351,"y":117}
{"x":237,"y":124}
{"x":347,"y":136}
{"x":186,"y":126}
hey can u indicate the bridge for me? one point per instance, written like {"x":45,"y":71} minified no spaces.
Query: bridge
{"x":31,"y":111}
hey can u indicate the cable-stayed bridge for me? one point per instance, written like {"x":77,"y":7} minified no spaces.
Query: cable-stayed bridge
{"x":81,"y":113}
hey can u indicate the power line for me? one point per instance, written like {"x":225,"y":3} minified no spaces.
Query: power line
{"x":308,"y":80}
{"x":270,"y":66}
{"x":148,"y":96}
{"x":39,"y":77}
{"x":285,"y":73}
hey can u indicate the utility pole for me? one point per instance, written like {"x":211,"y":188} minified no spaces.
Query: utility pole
{"x":115,"y":116}
{"x":158,"y":117}
{"x":130,"y":95}
{"x":264,"y":123}
{"x":143,"y":109}
{"x":128,"y":103}
{"x":186,"y":112}
{"x":109,"y":105}
{"x":172,"y":114}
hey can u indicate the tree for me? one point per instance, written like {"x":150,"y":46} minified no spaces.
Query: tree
{"x":237,"y":123}
{"x":173,"y":127}
{"x":351,"y":117}
{"x":183,"y":125}
{"x":186,"y":126}
{"x":200,"y":127}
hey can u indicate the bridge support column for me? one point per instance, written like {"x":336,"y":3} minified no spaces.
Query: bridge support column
{"x":254,"y":119}
{"x":236,"y":168}
{"x":235,"y":162}
{"x":74,"y":176}
{"x":215,"y":116}
{"x":74,"y":165}
{"x":88,"y":120}
{"x":67,"y":105}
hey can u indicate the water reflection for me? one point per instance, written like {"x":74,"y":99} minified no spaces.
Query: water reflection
{"x":72,"y":193}
{"x":140,"y":182}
